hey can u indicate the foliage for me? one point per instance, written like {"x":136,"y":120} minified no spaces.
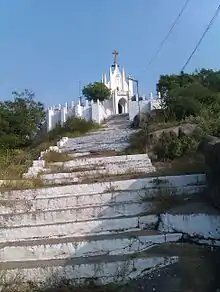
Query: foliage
{"x":72,"y":128}
{"x":170,"y":146}
{"x":13,"y":163}
{"x":191,"y":95}
{"x":22,"y":137}
{"x":96,"y":90}
{"x":20,"y":120}
{"x":138,"y":142}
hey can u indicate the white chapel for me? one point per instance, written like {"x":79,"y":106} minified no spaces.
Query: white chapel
{"x":121,"y":87}
{"x":122,"y":101}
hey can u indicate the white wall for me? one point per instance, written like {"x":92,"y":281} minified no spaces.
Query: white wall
{"x":145,"y":106}
{"x":96,"y":111}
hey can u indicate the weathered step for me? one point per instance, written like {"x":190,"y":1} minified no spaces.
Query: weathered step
{"x":85,"y":208}
{"x":197,"y":223}
{"x":104,"y":268}
{"x":75,"y":248}
{"x":75,"y":214}
{"x":107,"y":199}
{"x":135,"y":160}
{"x":77,"y":228}
{"x":105,"y":173}
{"x":69,"y":201}
{"x":177,"y":183}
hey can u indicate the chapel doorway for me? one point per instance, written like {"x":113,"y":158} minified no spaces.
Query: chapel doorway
{"x":122,"y":106}
{"x":120,"y":109}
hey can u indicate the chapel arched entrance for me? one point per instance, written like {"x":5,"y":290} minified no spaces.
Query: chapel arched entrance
{"x":122,"y":106}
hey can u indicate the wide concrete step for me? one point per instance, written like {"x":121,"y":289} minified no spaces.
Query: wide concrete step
{"x":75,"y":214}
{"x":70,"y":201}
{"x":98,"y":146}
{"x":46,"y":202}
{"x":105,"y":269}
{"x":105,"y":173}
{"x":73,"y":248}
{"x":139,"y":159}
{"x":177,"y":184}
{"x":83,"y":228}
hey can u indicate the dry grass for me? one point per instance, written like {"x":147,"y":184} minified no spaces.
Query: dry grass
{"x":165,"y":200}
{"x":14,"y":163}
{"x":191,"y":164}
{"x":12,"y":171}
{"x":53,"y":156}
{"x":21,"y":184}
{"x":17,"y":284}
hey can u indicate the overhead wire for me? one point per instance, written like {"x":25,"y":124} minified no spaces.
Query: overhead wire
{"x":202,"y":37}
{"x":168,"y":34}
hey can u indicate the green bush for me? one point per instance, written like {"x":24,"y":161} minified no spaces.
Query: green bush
{"x":72,"y":128}
{"x":170,"y":146}
{"x":138,"y":142}
{"x":79,"y":125}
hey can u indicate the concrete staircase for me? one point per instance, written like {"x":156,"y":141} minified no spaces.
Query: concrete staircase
{"x":105,"y":230}
{"x":114,"y":136}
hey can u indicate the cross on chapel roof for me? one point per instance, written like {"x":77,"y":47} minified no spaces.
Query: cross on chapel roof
{"x":115,"y":54}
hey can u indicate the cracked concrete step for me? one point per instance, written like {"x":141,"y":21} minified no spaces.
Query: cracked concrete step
{"x":177,"y":183}
{"x":75,"y":214}
{"x":129,"y":244}
{"x":71,"y":201}
{"x":105,"y":268}
{"x":78,"y":228}
{"x":199,"y":223}
{"x":107,"y":199}
{"x":83,"y":208}
{"x":95,"y":237}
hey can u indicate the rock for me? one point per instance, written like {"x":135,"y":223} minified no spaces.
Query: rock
{"x":210,"y":148}
{"x":136,"y":122}
{"x":187,"y":129}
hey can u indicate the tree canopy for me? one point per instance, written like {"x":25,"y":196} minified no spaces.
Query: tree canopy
{"x":185,"y":95}
{"x":96,"y":90}
{"x":20,"y":120}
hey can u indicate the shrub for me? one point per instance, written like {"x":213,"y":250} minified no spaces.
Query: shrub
{"x":72,"y":128}
{"x":14,"y":162}
{"x":171,"y":146}
{"x":138,"y":142}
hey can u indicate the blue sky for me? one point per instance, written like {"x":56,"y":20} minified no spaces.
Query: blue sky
{"x":51,"y":45}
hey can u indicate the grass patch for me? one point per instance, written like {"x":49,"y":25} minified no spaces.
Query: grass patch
{"x":54,"y":156}
{"x":194,"y":163}
{"x":74,"y":127}
{"x":15,"y":162}
{"x":165,"y":200}
{"x":17,"y":285}
{"x":137,"y":143}
{"x":21,"y":184}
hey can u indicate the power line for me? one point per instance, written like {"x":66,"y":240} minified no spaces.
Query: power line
{"x":202,"y":37}
{"x":168,"y":34}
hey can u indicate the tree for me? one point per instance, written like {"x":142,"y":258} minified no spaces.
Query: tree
{"x":186,"y":94}
{"x":96,"y":90}
{"x":20,"y":120}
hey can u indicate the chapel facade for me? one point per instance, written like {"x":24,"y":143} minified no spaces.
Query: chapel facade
{"x":120,"y":85}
